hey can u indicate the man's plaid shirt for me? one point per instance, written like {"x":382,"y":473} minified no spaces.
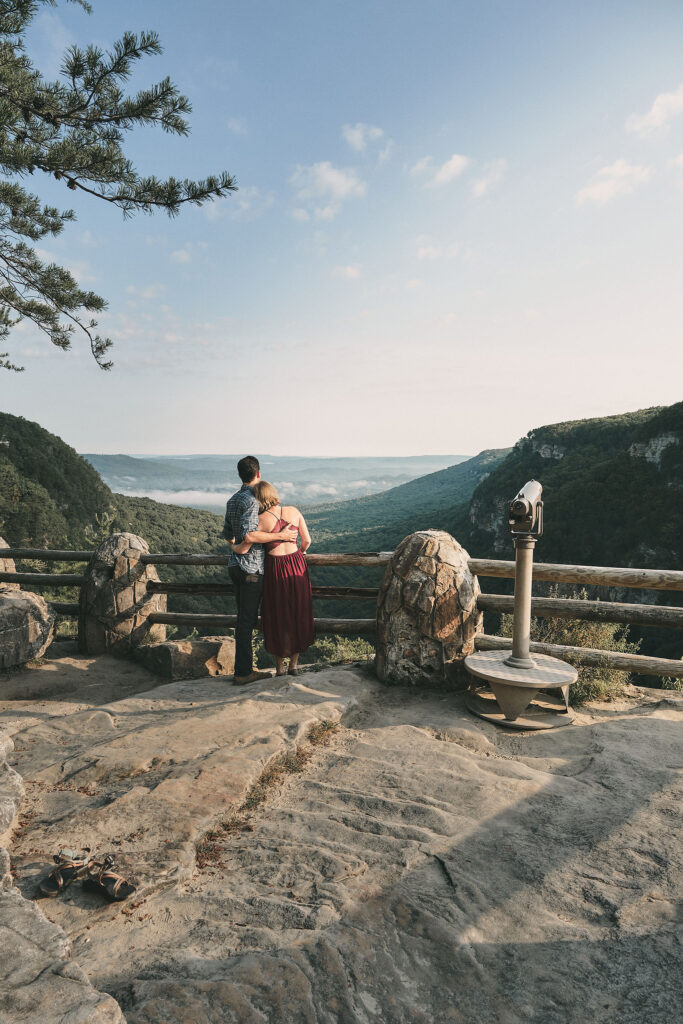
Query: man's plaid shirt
{"x":241,"y":516}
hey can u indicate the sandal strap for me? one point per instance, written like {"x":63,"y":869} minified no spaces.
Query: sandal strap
{"x":111,"y":876}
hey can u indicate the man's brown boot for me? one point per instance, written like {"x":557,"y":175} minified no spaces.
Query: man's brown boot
{"x":253,"y":677}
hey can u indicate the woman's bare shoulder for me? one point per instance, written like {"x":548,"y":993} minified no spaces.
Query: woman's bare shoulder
{"x":290,"y":512}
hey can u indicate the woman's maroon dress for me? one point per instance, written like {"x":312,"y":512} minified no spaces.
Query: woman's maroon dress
{"x":287,"y":607}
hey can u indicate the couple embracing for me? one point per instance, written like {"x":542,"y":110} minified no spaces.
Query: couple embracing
{"x":266,"y":565}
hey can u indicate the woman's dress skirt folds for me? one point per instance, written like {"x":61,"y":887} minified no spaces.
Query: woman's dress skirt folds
{"x":287,"y":608}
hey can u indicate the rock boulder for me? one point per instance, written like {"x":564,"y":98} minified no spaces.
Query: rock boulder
{"x":427,"y":613}
{"x":26,"y":627}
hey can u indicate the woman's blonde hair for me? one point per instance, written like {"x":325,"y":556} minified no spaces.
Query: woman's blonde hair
{"x":266,"y":495}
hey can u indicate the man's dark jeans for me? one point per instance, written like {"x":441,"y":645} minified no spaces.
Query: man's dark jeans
{"x":248,"y":593}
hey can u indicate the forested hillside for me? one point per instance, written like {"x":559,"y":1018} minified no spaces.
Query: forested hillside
{"x":49,"y":495}
{"x":612,"y":487}
{"x":381,"y":521}
{"x":613,"y":495}
{"x":375,"y":522}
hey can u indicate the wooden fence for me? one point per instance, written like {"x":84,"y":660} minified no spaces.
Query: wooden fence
{"x":543,"y":607}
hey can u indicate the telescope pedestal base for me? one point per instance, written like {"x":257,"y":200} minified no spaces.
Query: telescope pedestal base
{"x":540,"y":714}
{"x":521,"y":698}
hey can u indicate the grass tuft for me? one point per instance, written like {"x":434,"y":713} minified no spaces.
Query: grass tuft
{"x":288,"y":763}
{"x":320,"y":733}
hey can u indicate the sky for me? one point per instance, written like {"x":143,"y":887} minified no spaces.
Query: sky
{"x":456,"y":221}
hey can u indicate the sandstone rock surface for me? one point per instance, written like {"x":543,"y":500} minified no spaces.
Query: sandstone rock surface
{"x":427,"y":613}
{"x":114,"y":603}
{"x":424,"y":868}
{"x":26,"y":627}
{"x":38,"y":982}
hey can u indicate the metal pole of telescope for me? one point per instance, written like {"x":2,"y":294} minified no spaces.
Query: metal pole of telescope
{"x":521,"y":627}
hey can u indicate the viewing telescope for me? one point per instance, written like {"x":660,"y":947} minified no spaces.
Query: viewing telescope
{"x":513,"y":677}
{"x":525,"y":513}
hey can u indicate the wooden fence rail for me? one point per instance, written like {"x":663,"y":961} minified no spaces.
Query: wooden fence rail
{"x":47,"y":554}
{"x":325,"y":593}
{"x":593,"y":611}
{"x":650,"y":579}
{"x":347,"y":626}
{"x":640,"y":664}
{"x":360,"y":558}
{"x":68,"y":608}
{"x":43,"y":579}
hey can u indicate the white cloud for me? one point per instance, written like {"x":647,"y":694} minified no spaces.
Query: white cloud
{"x":677,"y":163}
{"x":444,"y":174}
{"x":216,"y":499}
{"x":53,"y":39}
{"x":351,"y":272}
{"x":665,"y":107}
{"x":180,"y":256}
{"x":422,"y":165}
{"x":362,"y":137}
{"x":237,"y":125}
{"x":493,"y":174}
{"x":454,"y":166}
{"x":618,"y":179}
{"x":359,"y":135}
{"x":323,"y":188}
{"x":297,"y":213}
{"x":150,"y":291}
{"x":247,"y":203}
{"x":386,"y":152}
{"x":430,"y":251}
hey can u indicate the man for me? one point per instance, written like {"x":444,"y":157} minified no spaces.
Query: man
{"x":246,"y":571}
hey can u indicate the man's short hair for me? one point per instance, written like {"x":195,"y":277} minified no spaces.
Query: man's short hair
{"x":247,"y":468}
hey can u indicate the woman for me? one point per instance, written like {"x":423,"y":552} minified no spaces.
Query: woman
{"x":287,"y":609}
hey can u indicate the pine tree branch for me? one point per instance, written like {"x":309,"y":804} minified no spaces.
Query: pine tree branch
{"x":73,"y":129}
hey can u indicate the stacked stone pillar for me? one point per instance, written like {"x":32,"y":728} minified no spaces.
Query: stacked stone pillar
{"x":114,"y":603}
{"x":427,"y":614}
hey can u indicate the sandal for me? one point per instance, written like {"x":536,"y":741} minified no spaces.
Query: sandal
{"x":71,"y":864}
{"x":102,"y":879}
